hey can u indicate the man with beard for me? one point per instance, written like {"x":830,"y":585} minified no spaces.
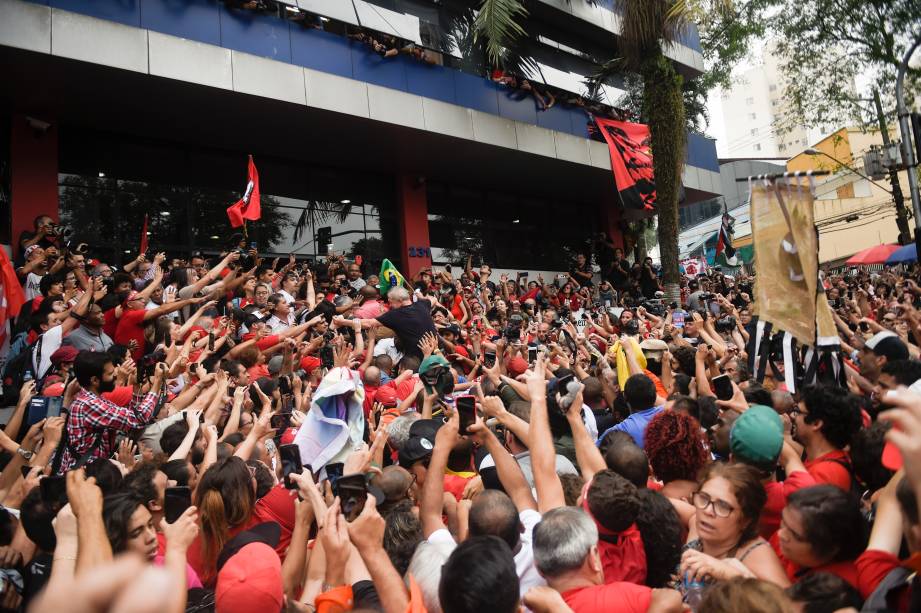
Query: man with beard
{"x":94,"y":421}
{"x":882,"y":348}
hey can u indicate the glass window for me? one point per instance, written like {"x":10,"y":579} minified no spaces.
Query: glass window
{"x":185,"y":193}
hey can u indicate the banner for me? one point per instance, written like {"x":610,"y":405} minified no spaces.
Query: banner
{"x":787,"y":256}
{"x":248,"y":207}
{"x":693,"y":267}
{"x":789,"y":294}
{"x":631,"y":162}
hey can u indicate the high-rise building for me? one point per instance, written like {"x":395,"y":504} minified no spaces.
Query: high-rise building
{"x":379,"y":119}
{"x":758,"y":119}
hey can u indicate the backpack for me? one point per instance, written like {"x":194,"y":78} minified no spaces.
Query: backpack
{"x":18,"y":370}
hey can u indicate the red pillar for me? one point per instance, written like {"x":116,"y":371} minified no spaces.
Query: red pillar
{"x":34,"y":174}
{"x":413,"y":210}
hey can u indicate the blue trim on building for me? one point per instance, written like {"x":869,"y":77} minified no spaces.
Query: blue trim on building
{"x":209,"y":21}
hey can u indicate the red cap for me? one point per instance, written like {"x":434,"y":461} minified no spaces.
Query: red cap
{"x":387,"y":396}
{"x":310,"y":363}
{"x":406,"y":387}
{"x":65,"y":354}
{"x":250,"y":581}
{"x":517,"y":366}
{"x":132,"y":296}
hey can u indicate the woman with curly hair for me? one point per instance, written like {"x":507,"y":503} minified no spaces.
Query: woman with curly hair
{"x":675,"y":447}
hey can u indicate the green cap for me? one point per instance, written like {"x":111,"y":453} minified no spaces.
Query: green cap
{"x":431,"y":362}
{"x":756,"y":437}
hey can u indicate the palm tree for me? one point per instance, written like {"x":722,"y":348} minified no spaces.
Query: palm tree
{"x":648,"y":28}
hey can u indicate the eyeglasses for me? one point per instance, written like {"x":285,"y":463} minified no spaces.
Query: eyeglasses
{"x":721,"y":508}
{"x":798,"y":411}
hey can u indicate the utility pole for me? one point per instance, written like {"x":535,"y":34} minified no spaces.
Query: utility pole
{"x":901,"y":215}
{"x":908,"y":154}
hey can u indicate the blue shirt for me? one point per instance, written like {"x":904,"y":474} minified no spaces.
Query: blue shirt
{"x":635,"y":425}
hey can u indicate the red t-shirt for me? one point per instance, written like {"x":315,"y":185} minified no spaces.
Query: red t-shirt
{"x":264,"y":342}
{"x":111,"y":323}
{"x":619,"y":597}
{"x":828,"y":469}
{"x":277,"y":506}
{"x":131,"y":327}
{"x":777,"y":499}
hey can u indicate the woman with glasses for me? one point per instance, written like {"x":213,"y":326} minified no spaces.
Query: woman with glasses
{"x":822,"y":531}
{"x":723,"y":540}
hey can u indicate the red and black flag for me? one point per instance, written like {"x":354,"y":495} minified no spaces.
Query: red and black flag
{"x":248,"y":206}
{"x":631,"y":162}
{"x":724,"y":239}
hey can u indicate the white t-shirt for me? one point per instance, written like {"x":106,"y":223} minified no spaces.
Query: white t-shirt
{"x":288,"y":297}
{"x":33,"y":281}
{"x":277,"y":325}
{"x":387,"y":346}
{"x":528,"y":576}
{"x":51,"y":342}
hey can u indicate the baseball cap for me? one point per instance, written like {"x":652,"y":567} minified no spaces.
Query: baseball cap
{"x":29,"y":250}
{"x":756,"y":437}
{"x":275,"y":364}
{"x":387,"y":396}
{"x":517,"y":366}
{"x":433,"y":361}
{"x":453,"y":329}
{"x":132,"y":296}
{"x":67,"y":353}
{"x":250,"y":580}
{"x":888,"y":345}
{"x":267,"y":532}
{"x":310,"y":363}
{"x":420,"y":443}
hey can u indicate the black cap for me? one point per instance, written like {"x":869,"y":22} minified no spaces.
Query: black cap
{"x":420,"y":443}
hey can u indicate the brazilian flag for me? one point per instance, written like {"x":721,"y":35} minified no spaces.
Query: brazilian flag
{"x":390,"y":277}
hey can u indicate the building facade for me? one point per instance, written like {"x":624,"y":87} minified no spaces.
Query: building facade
{"x":115,"y":109}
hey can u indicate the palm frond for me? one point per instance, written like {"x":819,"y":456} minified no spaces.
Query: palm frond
{"x":317,"y":212}
{"x":497,"y":24}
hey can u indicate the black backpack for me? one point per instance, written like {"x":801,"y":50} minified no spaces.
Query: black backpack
{"x":19,"y":369}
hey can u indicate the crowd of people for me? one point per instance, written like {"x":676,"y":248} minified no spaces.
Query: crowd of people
{"x":230,"y":433}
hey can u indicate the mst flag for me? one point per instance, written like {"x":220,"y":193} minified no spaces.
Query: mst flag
{"x":248,"y":206}
{"x":724,"y":240}
{"x":631,"y":162}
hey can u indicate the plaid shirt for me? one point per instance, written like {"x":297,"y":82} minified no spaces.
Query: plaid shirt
{"x":92,"y":416}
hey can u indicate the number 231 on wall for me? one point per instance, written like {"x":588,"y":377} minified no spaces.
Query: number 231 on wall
{"x":420,"y":252}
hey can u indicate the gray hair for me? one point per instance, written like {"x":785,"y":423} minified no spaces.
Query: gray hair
{"x":398,"y":294}
{"x":562,"y":539}
{"x":425,"y":567}
{"x":398,"y":430}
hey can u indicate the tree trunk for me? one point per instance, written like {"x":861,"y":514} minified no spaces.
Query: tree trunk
{"x":663,"y":104}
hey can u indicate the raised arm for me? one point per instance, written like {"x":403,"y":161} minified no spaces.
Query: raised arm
{"x":433,"y":490}
{"x":588,"y":457}
{"x":513,"y":481}
{"x":543,"y":454}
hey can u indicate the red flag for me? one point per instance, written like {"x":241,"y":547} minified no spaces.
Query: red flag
{"x":631,"y":162}
{"x":248,"y":206}
{"x":12,"y":290}
{"x":143,"y":248}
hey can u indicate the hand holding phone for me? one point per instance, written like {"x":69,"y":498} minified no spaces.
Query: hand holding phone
{"x":290,"y":463}
{"x":722,"y":386}
{"x":466,"y":411}
{"x":175,"y":502}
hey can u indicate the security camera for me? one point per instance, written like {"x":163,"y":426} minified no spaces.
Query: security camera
{"x":38,"y":125}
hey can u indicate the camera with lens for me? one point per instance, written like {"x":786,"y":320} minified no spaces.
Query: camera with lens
{"x":726,"y":324}
{"x":655,"y":306}
{"x":64,"y":232}
{"x":706,"y":296}
{"x":149,"y":363}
